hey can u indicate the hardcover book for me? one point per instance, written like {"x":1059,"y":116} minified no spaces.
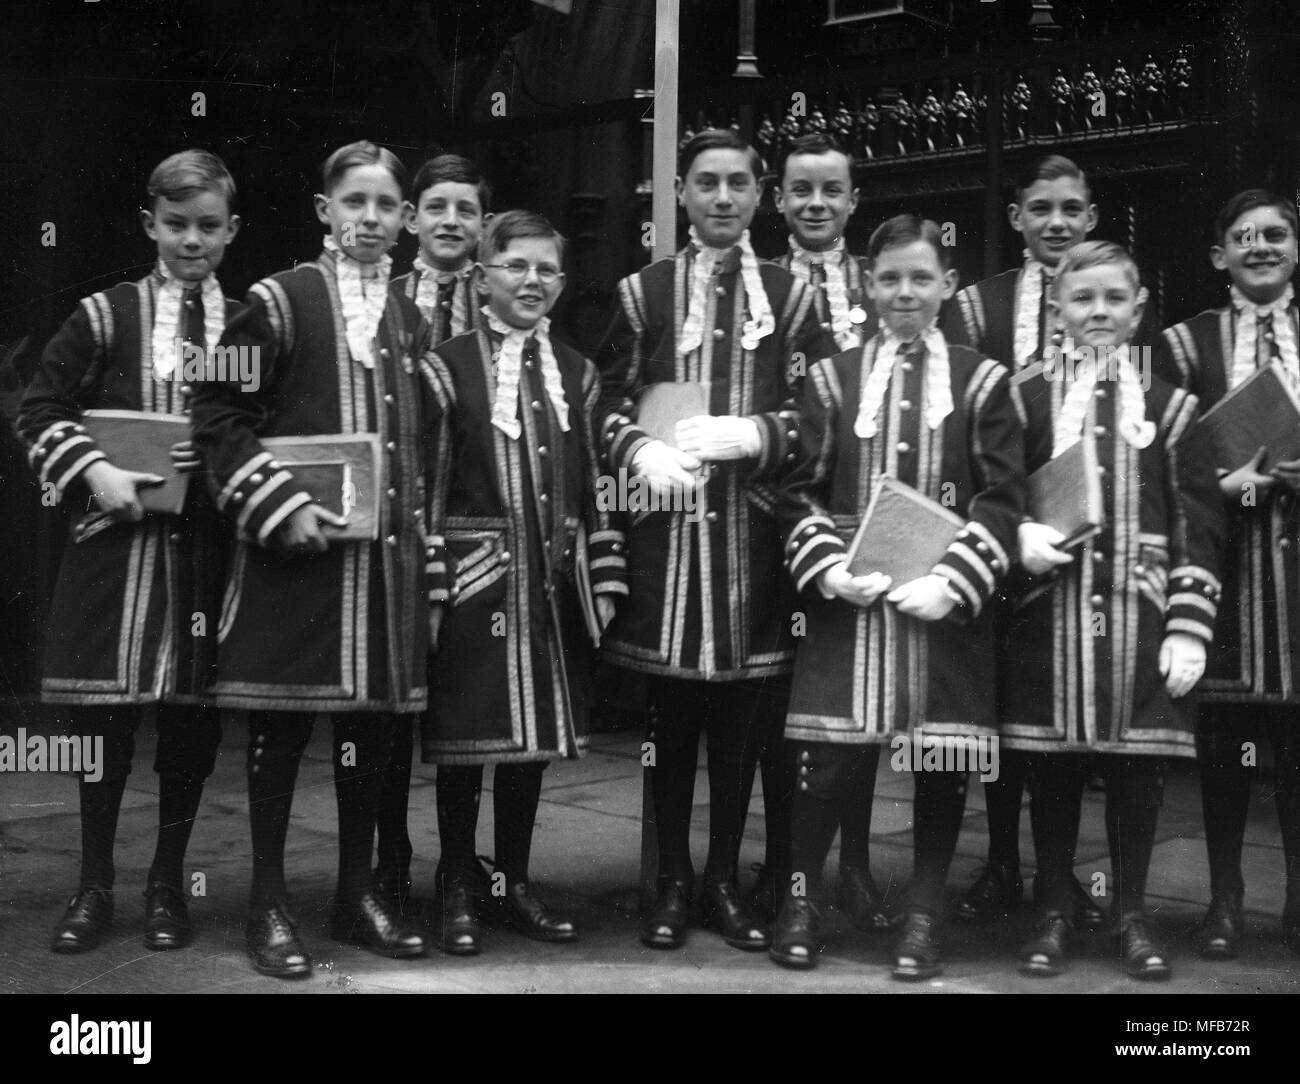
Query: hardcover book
{"x":135,"y":440}
{"x":1261,"y":411}
{"x":1066,"y":493}
{"x":341,"y":472}
{"x":665,"y":404}
{"x":904,"y":534}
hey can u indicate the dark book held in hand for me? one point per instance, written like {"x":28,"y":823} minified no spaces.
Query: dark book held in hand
{"x":134,"y":440}
{"x":1262,"y":411}
{"x":904,"y":534}
{"x":341,"y":472}
{"x":665,"y":404}
{"x":1066,"y":493}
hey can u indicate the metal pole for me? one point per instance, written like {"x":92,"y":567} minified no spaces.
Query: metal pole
{"x":664,"y":203}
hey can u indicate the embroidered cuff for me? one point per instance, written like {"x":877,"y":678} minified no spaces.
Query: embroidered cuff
{"x":778,"y":433}
{"x":621,"y":439}
{"x":973,"y":564}
{"x":607,"y":560}
{"x":813,"y":546}
{"x":437,"y":574}
{"x":62,"y":453}
{"x":260,"y":495}
{"x":1194,"y":596}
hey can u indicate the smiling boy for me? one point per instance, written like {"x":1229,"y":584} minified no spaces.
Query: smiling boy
{"x":1251,"y":687}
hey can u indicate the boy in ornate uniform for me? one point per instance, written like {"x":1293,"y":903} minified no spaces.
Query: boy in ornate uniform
{"x":134,"y":611}
{"x":882,"y":659}
{"x":710,"y":612}
{"x":1251,"y":686}
{"x":516,"y":494}
{"x":309,"y":624}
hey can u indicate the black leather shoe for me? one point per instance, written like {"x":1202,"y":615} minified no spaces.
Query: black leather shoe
{"x":1143,"y":958}
{"x":762,"y":898}
{"x":392,"y":884}
{"x":85,"y":922}
{"x":462,"y":935}
{"x":664,"y":925}
{"x":723,"y":910}
{"x":273,"y":945}
{"x":916,"y":953}
{"x":372,"y":924}
{"x":1044,"y":955}
{"x":857,"y":896}
{"x":998,"y":892}
{"x":794,"y":937}
{"x":166,"y":918}
{"x":523,"y":911}
{"x":1219,"y":937}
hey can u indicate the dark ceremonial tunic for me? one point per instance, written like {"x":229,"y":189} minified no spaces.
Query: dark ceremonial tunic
{"x":345,"y":630}
{"x":983,"y":316}
{"x":1082,"y":643}
{"x":1256,"y":652}
{"x":709,"y":598}
{"x":863,"y":675}
{"x":441,"y":324}
{"x":134,"y":613}
{"x":497,"y":692}
{"x":855,"y":287}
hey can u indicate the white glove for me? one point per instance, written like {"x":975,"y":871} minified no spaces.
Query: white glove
{"x":1182,"y":662}
{"x":1038,"y":552}
{"x":667,"y":470}
{"x":713,"y":438}
{"x":928,"y":598}
{"x":838,"y":582}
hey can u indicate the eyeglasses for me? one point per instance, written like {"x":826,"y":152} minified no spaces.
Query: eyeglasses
{"x":1248,"y":235}
{"x":547,"y":273}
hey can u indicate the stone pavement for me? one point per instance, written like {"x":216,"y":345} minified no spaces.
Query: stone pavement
{"x":585,"y":857}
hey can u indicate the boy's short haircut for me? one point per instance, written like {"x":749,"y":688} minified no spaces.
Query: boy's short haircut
{"x":453,"y":168}
{"x":812,"y":143}
{"x":183,"y":175}
{"x":1248,"y":201}
{"x":1050,"y":167}
{"x":1095,"y":254}
{"x":510,"y":226}
{"x":712,"y":139}
{"x":903,"y":230}
{"x":362,"y":153}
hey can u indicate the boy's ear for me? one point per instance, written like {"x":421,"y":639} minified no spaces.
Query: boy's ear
{"x":679,"y":186}
{"x":1139,"y":306}
{"x":479,"y":277}
{"x":233,"y":227}
{"x":1218,"y":258}
{"x":147,"y":222}
{"x":778,"y":197}
{"x":322,"y":203}
{"x":853,"y":201}
{"x":1014,"y":217}
{"x":408,"y":216}
{"x":1094,"y":216}
{"x":950,"y":280}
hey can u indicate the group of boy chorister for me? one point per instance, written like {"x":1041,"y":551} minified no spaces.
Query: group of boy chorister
{"x":823,"y":373}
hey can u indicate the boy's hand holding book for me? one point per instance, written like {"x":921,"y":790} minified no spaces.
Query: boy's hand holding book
{"x":1182,"y":662}
{"x":714,"y":438}
{"x":185,"y":457}
{"x":1232,"y":484}
{"x":927,"y":598}
{"x":115,"y":490}
{"x":665,"y":468}
{"x":838,"y":582}
{"x":301,"y":532}
{"x":1038,"y":552}
{"x":1288,"y":473}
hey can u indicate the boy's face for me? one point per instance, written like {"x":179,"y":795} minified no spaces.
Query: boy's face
{"x":817,"y":197}
{"x":720,"y":194}
{"x":512,"y":280}
{"x":191,"y":234}
{"x":1053,"y":216}
{"x":448,"y":220}
{"x":363,"y":211}
{"x":1098,"y":305}
{"x":908,"y":285}
{"x":1259,"y":253}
